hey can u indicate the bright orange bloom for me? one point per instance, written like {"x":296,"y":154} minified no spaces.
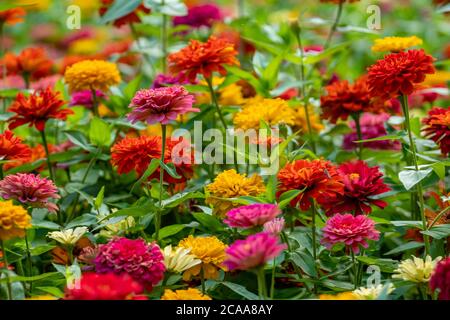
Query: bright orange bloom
{"x":13,"y":150}
{"x":36,"y":109}
{"x":318,"y":180}
{"x":203,"y":58}
{"x":438,"y":128}
{"x":12,"y":16}
{"x":132,"y":17}
{"x":31,"y":62}
{"x":345,"y":99}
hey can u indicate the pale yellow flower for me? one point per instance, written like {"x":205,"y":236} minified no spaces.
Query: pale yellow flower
{"x":416,"y":269}
{"x":68,"y":236}
{"x":395,"y":44}
{"x":179,"y":259}
{"x":371,"y":293}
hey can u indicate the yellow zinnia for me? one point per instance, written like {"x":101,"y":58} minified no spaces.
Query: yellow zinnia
{"x":340,"y":296}
{"x":302,"y":124}
{"x":188,"y":294}
{"x":13,"y":221}
{"x":230,"y":95}
{"x":230,"y":184}
{"x":84,"y":47}
{"x":92,"y":75}
{"x":210,"y":250}
{"x":438,"y":78}
{"x":272,"y":111}
{"x":395,"y":44}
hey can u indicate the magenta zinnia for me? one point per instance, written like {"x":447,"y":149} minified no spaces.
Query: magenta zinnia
{"x":252,"y":215}
{"x":349,"y":230}
{"x":143,"y":262}
{"x":440,"y":280}
{"x":160,"y":105}
{"x":253,"y":252}
{"x":29,"y":189}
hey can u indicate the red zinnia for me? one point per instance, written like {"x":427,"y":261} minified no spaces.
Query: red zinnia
{"x":318,"y":179}
{"x":13,"y":150}
{"x":438,"y":128}
{"x":361,"y":183}
{"x":132,"y":17}
{"x":37,"y":109}
{"x":31,"y":62}
{"x":397,"y":73}
{"x":345,"y":99}
{"x":12,"y":16}
{"x":203,"y":58}
{"x":137,"y":153}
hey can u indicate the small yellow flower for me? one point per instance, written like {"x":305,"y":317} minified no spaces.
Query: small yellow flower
{"x":87,"y":6}
{"x":395,"y":44}
{"x":188,"y":294}
{"x":272,"y":111}
{"x":84,"y":47}
{"x":104,"y":111}
{"x":13,"y":221}
{"x":340,"y":296}
{"x":416,"y":269}
{"x":230,"y":184}
{"x":302,"y":124}
{"x":179,"y":259}
{"x":92,"y":74}
{"x":68,"y":236}
{"x":371,"y":293}
{"x":437,"y":78}
{"x":231,"y":95}
{"x":117,"y":229}
{"x":43,"y":297}
{"x":211,"y":252}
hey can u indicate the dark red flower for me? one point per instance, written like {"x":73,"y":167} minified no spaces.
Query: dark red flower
{"x":36,"y":109}
{"x":438,"y":128}
{"x":441,"y":279}
{"x":318,"y":180}
{"x":398,"y":73}
{"x":361,"y":184}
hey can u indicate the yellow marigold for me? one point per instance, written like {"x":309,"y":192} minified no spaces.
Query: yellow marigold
{"x":272,"y":111}
{"x":84,"y":47}
{"x":340,"y":296}
{"x":13,"y":221}
{"x":188,"y":294}
{"x":395,"y":44}
{"x":92,"y":74}
{"x":230,"y":184}
{"x":437,"y":78}
{"x":230,"y":95}
{"x":210,"y":250}
{"x":301,"y":123}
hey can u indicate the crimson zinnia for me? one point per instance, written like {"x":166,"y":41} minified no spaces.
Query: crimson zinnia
{"x":440,"y":280}
{"x":397,"y":73}
{"x":36,"y":109}
{"x":317,"y":179}
{"x":361,"y":183}
{"x":438,"y":128}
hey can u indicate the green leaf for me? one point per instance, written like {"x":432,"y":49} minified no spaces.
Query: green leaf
{"x":304,"y":261}
{"x":79,"y":139}
{"x":170,"y":169}
{"x":54,"y":291}
{"x":136,"y":211}
{"x":241,"y":290}
{"x":44,"y":224}
{"x":409,"y":178}
{"x":404,"y":247}
{"x":99,"y":133}
{"x":132,"y":87}
{"x":245,"y":75}
{"x":383,"y":138}
{"x":154,"y":164}
{"x":270,"y":74}
{"x":32,"y":279}
{"x":27,"y":167}
{"x":287,"y":197}
{"x":407,"y":223}
{"x":170,"y":230}
{"x":119,"y":9}
{"x":178,"y":198}
{"x":37,"y":251}
{"x":386,"y":265}
{"x":210,"y":222}
{"x":438,"y":232}
{"x":85,"y":220}
{"x":99,"y":198}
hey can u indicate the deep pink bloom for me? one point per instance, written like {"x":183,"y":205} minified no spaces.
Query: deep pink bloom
{"x":143,"y":262}
{"x":274,"y":226}
{"x":30,"y":189}
{"x":353,"y":231}
{"x":163,"y":80}
{"x":441,"y":279}
{"x":253,"y":252}
{"x":160,"y":105}
{"x":93,"y":286}
{"x":200,"y":16}
{"x":84,"y":98}
{"x":372,"y":126}
{"x":252,"y":215}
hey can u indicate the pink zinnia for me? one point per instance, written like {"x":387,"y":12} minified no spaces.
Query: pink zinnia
{"x":160,"y":104}
{"x":84,"y":98}
{"x":349,"y":230}
{"x":253,"y":252}
{"x":252,"y":215}
{"x":164,"y":80}
{"x":143,"y":262}
{"x":200,"y":16}
{"x":440,"y":280}
{"x":30,"y":189}
{"x":274,"y":226}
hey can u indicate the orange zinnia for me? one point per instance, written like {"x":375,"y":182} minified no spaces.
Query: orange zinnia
{"x":37,"y":109}
{"x":32,"y":63}
{"x":203,"y":58}
{"x":13,"y":150}
{"x":317,"y":179}
{"x":12,"y":16}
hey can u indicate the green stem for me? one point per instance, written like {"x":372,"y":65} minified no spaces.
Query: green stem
{"x":47,"y":155}
{"x":262,"y":293}
{"x":438,"y":217}
{"x":314,"y":244}
{"x":1,"y":172}
{"x":161,"y":182}
{"x":26,"y":79}
{"x":94,"y":102}
{"x":216,"y":104}
{"x":5,"y":262}
{"x":355,"y":269}
{"x":202,"y":279}
{"x":272,"y":283}
{"x":335,"y":25}
{"x":357,"y":117}
{"x":164,"y":41}
{"x":419,"y":191}
{"x":30,"y":263}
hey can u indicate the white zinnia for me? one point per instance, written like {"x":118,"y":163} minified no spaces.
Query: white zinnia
{"x":371,"y":293}
{"x":68,"y":236}
{"x":179,"y":259}
{"x":416,"y":269}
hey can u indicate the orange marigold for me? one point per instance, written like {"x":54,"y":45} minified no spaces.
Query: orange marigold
{"x":37,"y":108}
{"x":203,"y":58}
{"x":318,"y":180}
{"x":12,"y":16}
